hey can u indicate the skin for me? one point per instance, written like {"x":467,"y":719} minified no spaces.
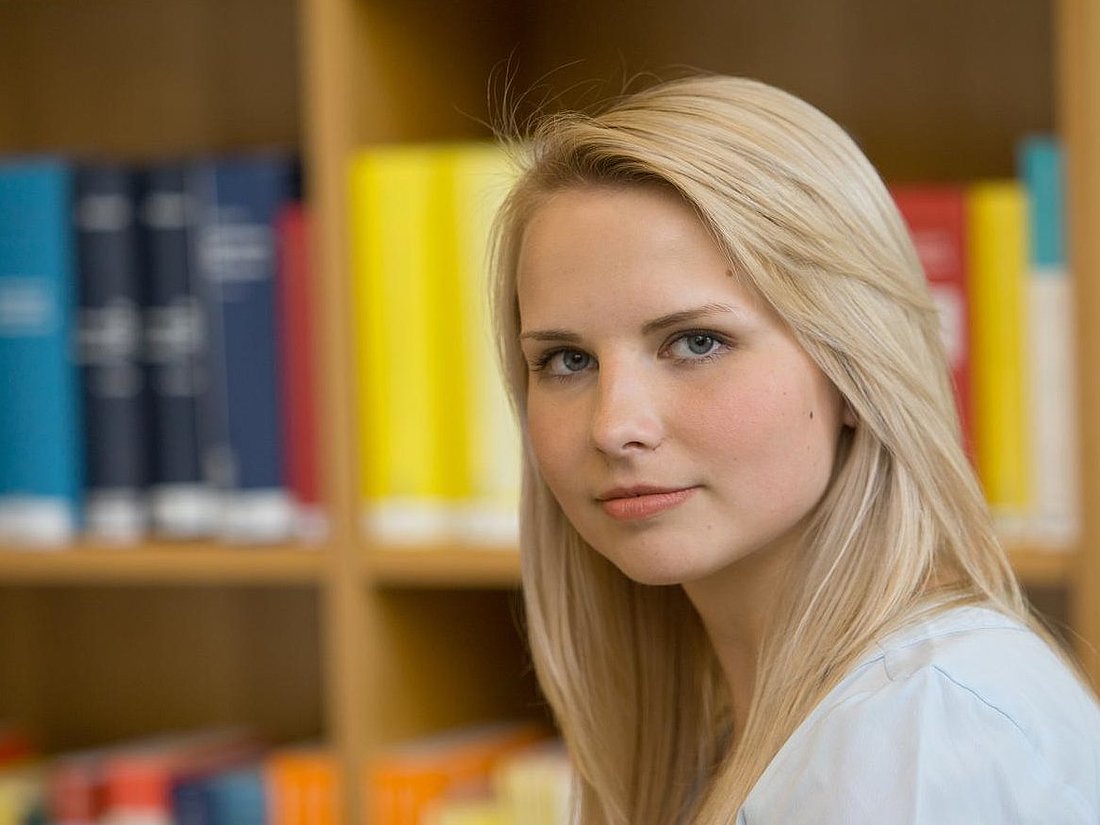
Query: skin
{"x":652,"y":369}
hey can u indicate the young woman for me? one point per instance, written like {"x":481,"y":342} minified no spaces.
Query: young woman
{"x":761,"y":582}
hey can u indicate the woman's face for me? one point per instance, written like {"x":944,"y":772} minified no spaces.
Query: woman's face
{"x":673,"y":416}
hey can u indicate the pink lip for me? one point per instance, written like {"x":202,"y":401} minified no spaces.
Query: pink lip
{"x":635,"y":503}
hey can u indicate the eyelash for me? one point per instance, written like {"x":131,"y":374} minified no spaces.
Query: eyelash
{"x":721,"y":345}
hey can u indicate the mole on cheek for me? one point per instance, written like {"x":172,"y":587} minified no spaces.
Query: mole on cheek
{"x":811,"y":415}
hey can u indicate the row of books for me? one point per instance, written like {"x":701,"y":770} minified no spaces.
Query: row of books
{"x":440,"y":451}
{"x":155,"y":339}
{"x":186,"y":403}
{"x":995,"y":254}
{"x":501,"y":773}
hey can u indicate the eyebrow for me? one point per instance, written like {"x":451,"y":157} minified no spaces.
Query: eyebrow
{"x":648,"y":328}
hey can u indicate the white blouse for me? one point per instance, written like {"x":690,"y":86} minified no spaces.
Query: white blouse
{"x":965,"y":718}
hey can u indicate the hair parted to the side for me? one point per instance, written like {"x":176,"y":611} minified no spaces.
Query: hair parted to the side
{"x":903,"y":529}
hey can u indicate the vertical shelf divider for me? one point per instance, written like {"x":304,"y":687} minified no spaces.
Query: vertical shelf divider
{"x":1078,"y":32}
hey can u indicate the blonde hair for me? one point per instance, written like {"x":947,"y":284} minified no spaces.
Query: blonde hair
{"x":903,"y":529}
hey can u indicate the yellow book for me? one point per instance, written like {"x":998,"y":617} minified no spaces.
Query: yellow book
{"x":397,"y":207}
{"x":997,"y":216}
{"x":22,"y":792}
{"x":481,"y":175}
{"x":464,"y":812}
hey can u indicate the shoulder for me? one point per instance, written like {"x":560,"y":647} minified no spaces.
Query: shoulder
{"x":967,"y":717}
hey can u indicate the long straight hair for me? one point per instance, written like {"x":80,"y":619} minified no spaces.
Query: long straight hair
{"x":902,"y":530}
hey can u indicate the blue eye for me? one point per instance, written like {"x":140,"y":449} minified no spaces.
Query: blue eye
{"x":695,"y":346}
{"x":569,"y":360}
{"x":563,"y":363}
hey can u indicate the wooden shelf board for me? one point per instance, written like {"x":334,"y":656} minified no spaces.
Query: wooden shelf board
{"x":163,"y":563}
{"x":415,"y":566}
{"x":418,"y":566}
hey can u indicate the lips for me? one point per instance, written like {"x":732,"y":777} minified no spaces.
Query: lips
{"x":642,"y":501}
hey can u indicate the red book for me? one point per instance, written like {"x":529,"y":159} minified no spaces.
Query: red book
{"x":936,"y":217}
{"x":296,"y":341}
{"x":15,"y":745}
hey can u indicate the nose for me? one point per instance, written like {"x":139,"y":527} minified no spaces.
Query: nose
{"x":626,"y":418}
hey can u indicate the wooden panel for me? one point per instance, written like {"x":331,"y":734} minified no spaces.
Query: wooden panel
{"x":84,"y":665}
{"x":931,"y":90}
{"x":448,"y":658}
{"x":137,"y":78}
{"x":423,"y":67}
{"x":443,"y":567}
{"x":163,"y":563}
{"x":1079,"y":67}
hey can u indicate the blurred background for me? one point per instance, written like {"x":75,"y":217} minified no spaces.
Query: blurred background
{"x":254,"y":547}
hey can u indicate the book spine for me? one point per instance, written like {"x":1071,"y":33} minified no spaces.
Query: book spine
{"x":40,"y":429}
{"x":936,"y":218}
{"x":481,"y":177}
{"x":1052,"y":365}
{"x":237,"y":202}
{"x":239,"y":797}
{"x":297,"y":353}
{"x":110,"y":352}
{"x":175,"y":343}
{"x":395,"y":196}
{"x":997,"y":213}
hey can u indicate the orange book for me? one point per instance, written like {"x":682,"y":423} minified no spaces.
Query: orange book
{"x":303,"y":788}
{"x":405,"y":780}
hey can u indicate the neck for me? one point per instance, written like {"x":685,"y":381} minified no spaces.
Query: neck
{"x":736,"y":606}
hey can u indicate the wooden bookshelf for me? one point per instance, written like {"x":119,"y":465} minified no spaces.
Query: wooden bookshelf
{"x":384,"y":642}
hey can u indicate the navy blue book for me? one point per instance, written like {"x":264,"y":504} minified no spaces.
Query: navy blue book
{"x":40,"y":421}
{"x":183,"y":505}
{"x":237,"y":202}
{"x":113,"y":380}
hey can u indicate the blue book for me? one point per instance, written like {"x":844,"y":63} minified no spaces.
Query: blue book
{"x":40,"y":422}
{"x":113,"y":380}
{"x":1054,"y":520}
{"x":238,"y":798}
{"x":237,"y":201}
{"x":175,"y":351}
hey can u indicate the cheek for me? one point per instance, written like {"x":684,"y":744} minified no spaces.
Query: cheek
{"x":553,"y":441}
{"x":760,"y":429}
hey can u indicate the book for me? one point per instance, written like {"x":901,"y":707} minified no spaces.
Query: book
{"x":303,"y":788}
{"x":132,"y":780}
{"x":936,"y":217}
{"x":535,"y":786}
{"x":1050,"y":348}
{"x":405,"y":780}
{"x":110,"y":346}
{"x":22,"y":792}
{"x":221,"y":795}
{"x":474,"y":811}
{"x":41,"y":472}
{"x":236,"y":201}
{"x":480,"y":176}
{"x":297,"y":336}
{"x":997,"y":217}
{"x":182,"y":503}
{"x":410,"y":475}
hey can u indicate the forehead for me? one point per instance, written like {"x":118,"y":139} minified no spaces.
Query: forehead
{"x":621,"y":247}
